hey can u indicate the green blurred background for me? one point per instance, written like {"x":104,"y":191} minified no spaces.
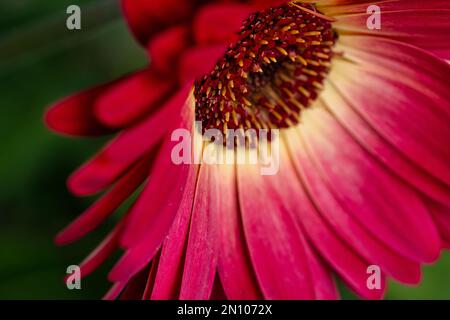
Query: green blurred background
{"x":41,"y":61}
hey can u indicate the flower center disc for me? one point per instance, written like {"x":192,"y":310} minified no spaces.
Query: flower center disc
{"x":271,"y":73}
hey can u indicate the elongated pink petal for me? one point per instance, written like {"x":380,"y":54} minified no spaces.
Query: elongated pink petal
{"x":147,"y":17}
{"x":75,"y":115}
{"x":202,"y":248}
{"x":110,"y":163}
{"x":132,"y":98}
{"x":145,"y":245}
{"x":115,"y":291}
{"x":170,"y":268}
{"x":354,"y":234}
{"x":380,"y":148}
{"x":235,"y":268}
{"x":106,"y":205}
{"x":158,"y":193}
{"x":421,"y":25}
{"x":362,"y":186}
{"x":218,"y":292}
{"x":106,"y":248}
{"x":350,"y":265}
{"x":150,"y":284}
{"x":220,"y":22}
{"x":140,"y":254}
{"x":274,"y":240}
{"x":413,"y":66}
{"x":354,"y":6}
{"x":321,"y":275}
{"x":441,"y":215}
{"x":345,"y":261}
{"x":411,"y":121}
{"x":136,"y":286}
{"x":320,"y":272}
{"x":166,"y":47}
{"x":199,"y":61}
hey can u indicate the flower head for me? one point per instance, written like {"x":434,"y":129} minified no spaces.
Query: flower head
{"x":363,"y":178}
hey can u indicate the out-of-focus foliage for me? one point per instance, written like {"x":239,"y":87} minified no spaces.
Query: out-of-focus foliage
{"x":41,"y":61}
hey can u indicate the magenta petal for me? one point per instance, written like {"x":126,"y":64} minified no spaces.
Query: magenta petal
{"x":144,"y":246}
{"x":106,"y":248}
{"x":75,"y":115}
{"x":348,"y":229}
{"x":170,"y":267}
{"x":147,"y":17}
{"x":199,"y":61}
{"x":132,"y":98}
{"x":201,"y":254}
{"x":106,"y":167}
{"x":350,"y":265}
{"x":115,"y":291}
{"x":234,"y":265}
{"x":218,"y":293}
{"x":362,"y":186}
{"x":441,"y":215}
{"x":106,"y":205}
{"x":415,"y":67}
{"x":220,"y":22}
{"x":381,"y":149}
{"x":421,"y":25}
{"x":136,"y":286}
{"x":414,"y":120}
{"x":321,"y":275}
{"x":274,"y":240}
{"x":166,"y":47}
{"x":150,"y":284}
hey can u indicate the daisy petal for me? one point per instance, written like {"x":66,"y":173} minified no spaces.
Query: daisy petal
{"x":199,"y":61}
{"x":441,"y":215}
{"x":142,"y":252}
{"x":125,"y":149}
{"x":106,"y":248}
{"x":201,"y":252}
{"x":354,"y":234}
{"x":339,"y":7}
{"x":362,"y":186}
{"x":150,"y":284}
{"x":115,"y":291}
{"x":417,"y":68}
{"x":321,"y":275}
{"x":147,"y":17}
{"x":237,"y":276}
{"x":166,"y":47}
{"x":345,"y":261}
{"x":136,"y":286}
{"x":220,"y":22}
{"x":170,"y":268}
{"x":398,"y":117}
{"x":422,"y":24}
{"x":381,"y":149}
{"x":106,"y":205}
{"x":132,"y":98}
{"x":274,"y":240}
{"x":75,"y":115}
{"x":157,"y":220}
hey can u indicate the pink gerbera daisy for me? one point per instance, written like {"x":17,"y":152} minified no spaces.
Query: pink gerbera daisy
{"x":364,"y":175}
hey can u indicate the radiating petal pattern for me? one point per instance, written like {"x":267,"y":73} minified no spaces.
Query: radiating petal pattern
{"x":363,"y":172}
